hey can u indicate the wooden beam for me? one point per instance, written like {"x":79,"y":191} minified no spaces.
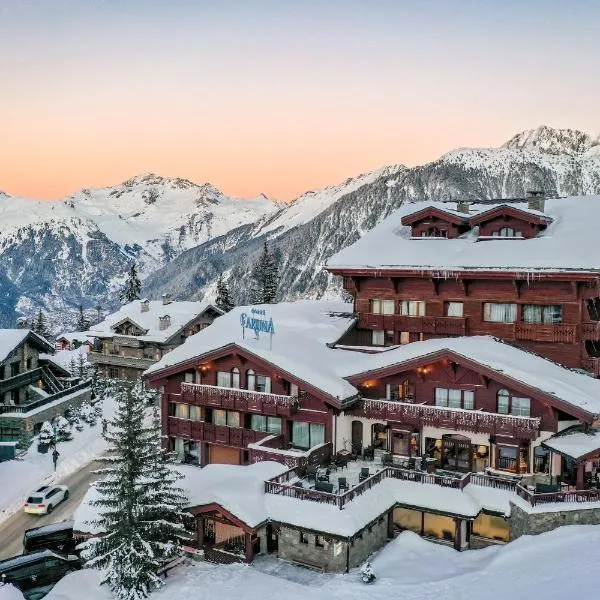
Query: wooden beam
{"x":356,"y":282}
{"x":395,"y":283}
{"x":575,"y":289}
{"x":517,"y":286}
{"x":465,"y":286}
{"x":485,"y":382}
{"x":435,"y":284}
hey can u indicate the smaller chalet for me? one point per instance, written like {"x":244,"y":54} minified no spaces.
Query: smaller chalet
{"x":434,"y":222}
{"x":506,"y":221}
{"x":33,"y":386}
{"x":141,"y":332}
{"x":74,"y":340}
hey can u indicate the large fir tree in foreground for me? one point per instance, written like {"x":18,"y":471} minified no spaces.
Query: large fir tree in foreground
{"x":132,"y":288}
{"x":265,"y":278}
{"x":140,"y":506}
{"x":223,"y":299}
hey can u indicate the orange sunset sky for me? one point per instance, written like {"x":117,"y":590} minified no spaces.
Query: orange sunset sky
{"x":278,"y":96}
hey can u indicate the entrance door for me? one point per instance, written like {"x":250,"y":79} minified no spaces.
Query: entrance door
{"x":272,"y":539}
{"x":457,"y":453}
{"x":357,"y":436}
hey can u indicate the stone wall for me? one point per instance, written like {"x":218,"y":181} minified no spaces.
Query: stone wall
{"x":331,"y":554}
{"x":526,"y":523}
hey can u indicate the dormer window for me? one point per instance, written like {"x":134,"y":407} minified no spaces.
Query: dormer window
{"x":509,"y":222}
{"x":434,"y":232}
{"x":507,"y":232}
{"x":433,"y":222}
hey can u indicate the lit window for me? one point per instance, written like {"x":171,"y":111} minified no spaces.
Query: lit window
{"x":404,"y":337}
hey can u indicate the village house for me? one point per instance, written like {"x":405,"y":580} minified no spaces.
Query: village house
{"x":132,"y":339}
{"x":33,"y":387}
{"x":455,"y":397}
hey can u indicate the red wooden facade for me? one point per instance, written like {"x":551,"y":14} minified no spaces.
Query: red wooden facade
{"x":306,"y":405}
{"x":573,"y":342}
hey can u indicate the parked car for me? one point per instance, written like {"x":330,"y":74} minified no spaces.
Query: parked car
{"x":35,"y":574}
{"x":57,"y":537}
{"x":44,"y":499}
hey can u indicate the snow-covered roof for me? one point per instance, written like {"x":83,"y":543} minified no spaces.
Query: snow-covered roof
{"x":299,"y":346}
{"x":63,"y":358}
{"x":76,"y":336}
{"x":180,"y":313}
{"x":569,"y":243}
{"x":12,"y":338}
{"x":575,"y":443}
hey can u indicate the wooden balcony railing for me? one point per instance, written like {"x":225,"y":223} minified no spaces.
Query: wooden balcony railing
{"x":537,"y":332}
{"x":238,"y":399}
{"x":591,"y":331}
{"x":292,"y":458}
{"x":592,"y":365}
{"x":116,"y":360}
{"x":209,"y":432}
{"x":433,"y":325}
{"x":536,"y":499}
{"x":81,"y":388}
{"x":419,"y":415}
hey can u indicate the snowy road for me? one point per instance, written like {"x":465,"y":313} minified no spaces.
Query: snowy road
{"x":11,"y":531}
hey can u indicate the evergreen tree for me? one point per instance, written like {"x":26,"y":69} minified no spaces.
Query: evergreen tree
{"x":40,"y":327}
{"x":81,"y":366}
{"x":265,"y":278}
{"x":132,"y":288}
{"x":83,"y":323}
{"x":223,"y":300}
{"x":22,"y":323}
{"x":140,"y":507}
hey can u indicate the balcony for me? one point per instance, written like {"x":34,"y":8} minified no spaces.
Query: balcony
{"x":432,"y":325}
{"x":115,"y":360}
{"x":537,"y":332}
{"x":238,"y":399}
{"x":216,"y":434}
{"x":82,"y":388}
{"x":591,"y":331}
{"x":592,"y":365}
{"x":458,"y":419}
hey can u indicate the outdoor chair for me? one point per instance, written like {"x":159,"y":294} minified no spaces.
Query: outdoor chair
{"x":343,"y":484}
{"x":387,"y":460}
{"x":311,"y":472}
{"x":323,"y":486}
{"x":341,"y":461}
{"x":369,"y":453}
{"x":411,"y":463}
{"x":322,"y":475}
{"x":364,"y":474}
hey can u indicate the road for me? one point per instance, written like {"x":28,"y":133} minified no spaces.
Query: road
{"x":12,"y":530}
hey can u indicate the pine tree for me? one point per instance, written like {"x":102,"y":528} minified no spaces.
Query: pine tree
{"x":40,"y":327}
{"x":83,"y":323}
{"x":81,"y":366}
{"x":223,"y":300}
{"x":265,"y":278}
{"x":132,"y":288}
{"x":140,"y":507}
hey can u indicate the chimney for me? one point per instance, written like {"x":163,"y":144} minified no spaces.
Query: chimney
{"x":536,"y":200}
{"x":167,"y":299}
{"x":462,"y":206}
{"x":144,"y":305}
{"x":164,"y":322}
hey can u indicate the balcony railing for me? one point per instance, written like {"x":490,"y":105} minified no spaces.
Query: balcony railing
{"x":238,"y":399}
{"x":537,"y":332}
{"x":217,"y":434}
{"x":592,"y":365}
{"x":591,"y":331}
{"x":433,"y":325}
{"x":26,"y":408}
{"x":536,"y":499}
{"x":137,"y":362}
{"x":419,"y":415}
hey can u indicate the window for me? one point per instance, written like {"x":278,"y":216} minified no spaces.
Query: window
{"x":188,"y":377}
{"x":593,"y":306}
{"x":404,"y":337}
{"x":507,"y":232}
{"x":412,"y":308}
{"x":14,"y":369}
{"x":454,"y":309}
{"x":195,"y":413}
{"x":263,"y":384}
{"x":404,"y":391}
{"x":113,"y":373}
{"x":303,"y":538}
{"x":226,"y":417}
{"x":455,"y":398}
{"x":541,"y":460}
{"x":223,"y":378}
{"x":250,"y":380}
{"x":382,"y":307}
{"x":435,"y":232}
{"x":507,"y":458}
{"x":307,"y":435}
{"x":514,"y":405}
{"x":29,"y":363}
{"x":271,"y":425}
{"x":235,"y":377}
{"x":181,"y":411}
{"x":538,"y":313}
{"x":320,"y":542}
{"x":499,"y":313}
{"x":389,"y":338}
{"x":378,"y":337}
{"x":149,"y":353}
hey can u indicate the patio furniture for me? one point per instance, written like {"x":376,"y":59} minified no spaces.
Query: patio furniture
{"x":387,"y":460}
{"x":323,"y":486}
{"x":332,"y":466}
{"x":341,"y":460}
{"x":322,"y":475}
{"x":311,"y":472}
{"x":369,"y":453}
{"x":411,"y":463}
{"x":364,"y":474}
{"x":343,"y":484}
{"x":545,"y":488}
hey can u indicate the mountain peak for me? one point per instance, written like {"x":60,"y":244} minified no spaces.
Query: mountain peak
{"x":553,"y":141}
{"x":152,"y":179}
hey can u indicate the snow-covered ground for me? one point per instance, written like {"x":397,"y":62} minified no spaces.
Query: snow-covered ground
{"x":34,"y":469}
{"x":553,"y":566}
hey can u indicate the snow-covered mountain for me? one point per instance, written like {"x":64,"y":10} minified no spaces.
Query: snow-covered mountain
{"x":56,"y":255}
{"x":558,"y":162}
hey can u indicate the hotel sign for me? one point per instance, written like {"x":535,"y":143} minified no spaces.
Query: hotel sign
{"x":258,"y":322}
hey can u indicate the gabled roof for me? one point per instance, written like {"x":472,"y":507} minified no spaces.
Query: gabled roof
{"x":569,"y":245}
{"x":128,"y":319}
{"x":451,"y":216}
{"x":181,"y":314}
{"x":518,"y":212}
{"x":575,"y":443}
{"x":11,"y":339}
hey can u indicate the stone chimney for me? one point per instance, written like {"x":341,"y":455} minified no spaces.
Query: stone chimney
{"x":536,"y":201}
{"x":144,"y":305}
{"x":164,"y":322}
{"x":462,"y":206}
{"x":167,"y":299}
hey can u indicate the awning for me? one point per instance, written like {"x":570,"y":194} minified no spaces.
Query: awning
{"x":575,"y":443}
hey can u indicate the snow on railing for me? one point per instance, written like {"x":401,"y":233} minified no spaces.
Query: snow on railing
{"x":239,"y":393}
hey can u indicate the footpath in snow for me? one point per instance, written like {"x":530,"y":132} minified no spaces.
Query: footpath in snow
{"x":553,"y":566}
{"x":23,"y":475}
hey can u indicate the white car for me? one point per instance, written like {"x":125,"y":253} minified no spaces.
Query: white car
{"x":44,"y":499}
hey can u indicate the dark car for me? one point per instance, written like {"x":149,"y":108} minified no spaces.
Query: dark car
{"x":36,"y":573}
{"x":57,"y":537}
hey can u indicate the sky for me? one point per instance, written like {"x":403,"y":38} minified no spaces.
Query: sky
{"x":279,"y":96}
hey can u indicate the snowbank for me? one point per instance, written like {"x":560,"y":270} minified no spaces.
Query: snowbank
{"x":9,"y":592}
